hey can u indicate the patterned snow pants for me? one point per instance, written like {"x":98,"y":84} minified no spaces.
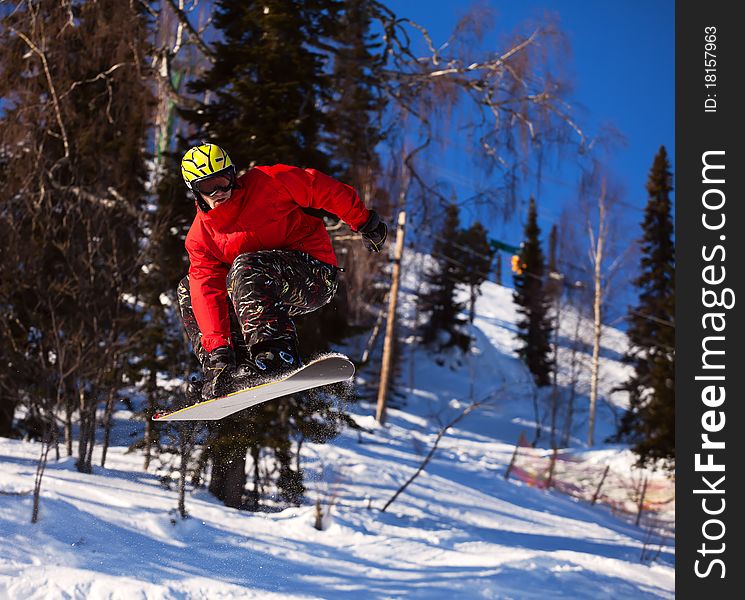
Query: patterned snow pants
{"x":265,"y":290}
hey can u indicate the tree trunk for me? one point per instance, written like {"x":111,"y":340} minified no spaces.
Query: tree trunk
{"x":255,"y":495}
{"x":200,"y":468}
{"x":107,"y":425}
{"x":46,"y":443}
{"x":574,"y":375}
{"x":596,"y":495}
{"x":597,"y":261}
{"x":152,"y":383}
{"x":91,"y":436}
{"x":595,"y":369}
{"x":146,"y":441}
{"x":69,"y":410}
{"x":472,"y":305}
{"x":82,"y":433}
{"x":297,"y":456}
{"x":228,"y":476}
{"x":555,"y":375}
{"x":87,"y":433}
{"x":182,"y":489}
{"x":7,"y":414}
{"x":186,"y":434}
{"x":537,"y":413}
{"x":235,"y":481}
{"x":554,"y":411}
{"x":569,"y":420}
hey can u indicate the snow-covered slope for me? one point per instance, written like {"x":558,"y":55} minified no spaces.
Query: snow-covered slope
{"x":460,"y":530}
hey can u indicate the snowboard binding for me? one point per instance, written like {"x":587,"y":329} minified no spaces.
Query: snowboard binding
{"x":275,"y":358}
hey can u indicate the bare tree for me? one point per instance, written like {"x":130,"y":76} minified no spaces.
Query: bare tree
{"x":461,"y":415}
{"x":187,"y":440}
{"x":606,"y":258}
{"x":179,"y":51}
{"x":576,"y":353}
{"x":517,"y":94}
{"x":591,"y":272}
{"x":597,"y":246}
{"x":71,"y":145}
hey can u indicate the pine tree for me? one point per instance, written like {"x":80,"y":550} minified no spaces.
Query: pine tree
{"x":649,"y":423}
{"x":268,"y":88}
{"x":533,"y":303}
{"x":160,"y":349}
{"x":357,"y":103}
{"x":268,"y":83}
{"x":438,"y":305}
{"x":353,"y":130}
{"x":476,"y":256}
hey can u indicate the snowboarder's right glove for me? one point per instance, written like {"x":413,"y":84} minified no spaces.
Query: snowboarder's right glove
{"x":218,"y":372}
{"x":374,"y":232}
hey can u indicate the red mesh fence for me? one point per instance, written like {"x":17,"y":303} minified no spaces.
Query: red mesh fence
{"x":627,"y":491}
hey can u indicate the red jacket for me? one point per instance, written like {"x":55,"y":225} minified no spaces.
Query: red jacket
{"x":264,"y":213}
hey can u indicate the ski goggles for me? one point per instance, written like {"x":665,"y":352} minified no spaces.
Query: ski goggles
{"x":215,"y":184}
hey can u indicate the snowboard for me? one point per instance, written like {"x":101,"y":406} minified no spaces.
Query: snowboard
{"x":322,"y":371}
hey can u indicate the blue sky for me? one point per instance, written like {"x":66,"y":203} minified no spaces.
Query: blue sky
{"x":622,"y":70}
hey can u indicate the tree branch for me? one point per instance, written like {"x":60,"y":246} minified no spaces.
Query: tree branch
{"x":116,"y":202}
{"x":431,"y":452}
{"x":193,"y":33}
{"x":101,"y":75}
{"x":50,"y":83}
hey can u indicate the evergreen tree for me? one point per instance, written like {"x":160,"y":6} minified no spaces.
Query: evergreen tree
{"x":533,"y":303}
{"x":439,"y":305}
{"x":476,"y":258}
{"x":268,"y":83}
{"x":649,"y":423}
{"x":267,"y":92}
{"x":357,"y":103}
{"x":353,"y":132}
{"x":160,"y":345}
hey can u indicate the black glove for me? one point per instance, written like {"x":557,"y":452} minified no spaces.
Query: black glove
{"x":218,"y":372}
{"x":374,"y":232}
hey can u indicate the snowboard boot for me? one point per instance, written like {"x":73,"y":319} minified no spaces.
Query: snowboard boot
{"x":246,"y":376}
{"x":219,"y":371}
{"x":194,"y":390}
{"x":275,"y":358}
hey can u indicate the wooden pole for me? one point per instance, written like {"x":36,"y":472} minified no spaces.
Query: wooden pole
{"x":596,"y":495}
{"x":641,"y":501}
{"x":520,"y":442}
{"x":551,"y":467}
{"x":389,"y":328}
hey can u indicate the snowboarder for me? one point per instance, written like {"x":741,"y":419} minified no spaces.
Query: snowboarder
{"x":256,"y":260}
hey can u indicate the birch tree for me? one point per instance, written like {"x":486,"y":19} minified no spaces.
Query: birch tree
{"x":604,"y":259}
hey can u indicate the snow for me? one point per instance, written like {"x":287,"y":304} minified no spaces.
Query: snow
{"x":460,"y":530}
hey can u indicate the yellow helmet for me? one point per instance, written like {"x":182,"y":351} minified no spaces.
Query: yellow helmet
{"x":203,"y":161}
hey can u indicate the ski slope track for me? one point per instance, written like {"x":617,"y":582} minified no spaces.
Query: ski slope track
{"x":460,"y":530}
